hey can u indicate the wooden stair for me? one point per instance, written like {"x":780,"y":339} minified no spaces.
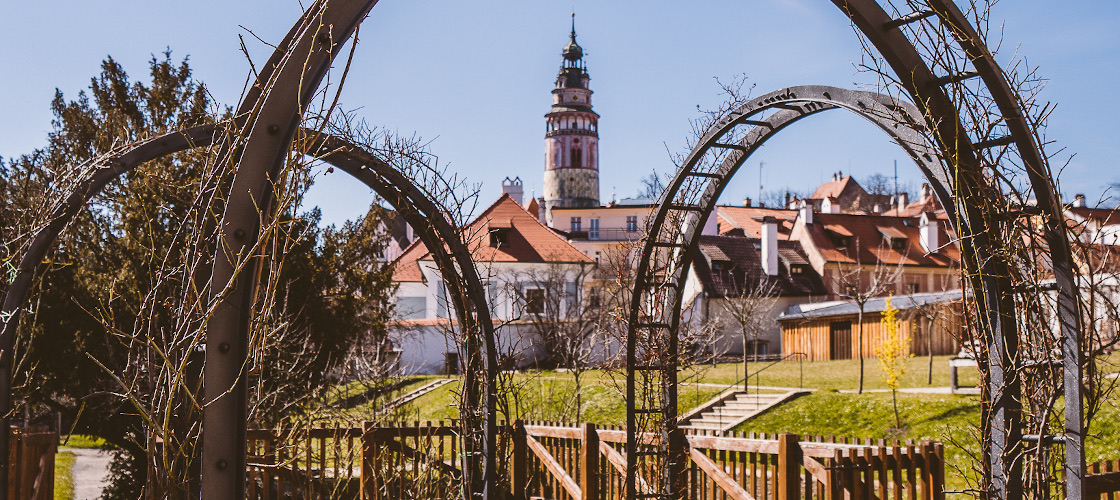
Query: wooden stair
{"x":723,"y":413}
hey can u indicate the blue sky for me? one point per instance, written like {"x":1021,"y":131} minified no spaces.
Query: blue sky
{"x":475,"y":77}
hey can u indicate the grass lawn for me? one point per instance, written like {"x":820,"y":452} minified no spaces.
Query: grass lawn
{"x":64,"y":475}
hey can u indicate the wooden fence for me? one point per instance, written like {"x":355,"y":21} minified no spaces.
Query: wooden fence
{"x":31,"y":456}
{"x":545,"y":460}
{"x":1103,"y":481}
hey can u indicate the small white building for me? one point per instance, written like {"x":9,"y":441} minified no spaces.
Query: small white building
{"x":523,"y":265}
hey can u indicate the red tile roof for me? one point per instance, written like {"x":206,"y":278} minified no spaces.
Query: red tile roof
{"x":749,"y":220}
{"x":527,"y":240}
{"x":832,"y":189}
{"x":929,"y":203}
{"x":867,"y":241}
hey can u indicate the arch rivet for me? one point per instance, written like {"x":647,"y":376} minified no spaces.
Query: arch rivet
{"x":224,"y":347}
{"x":222,"y":464}
{"x":239,"y":234}
{"x":274,"y":129}
{"x":324,"y":38}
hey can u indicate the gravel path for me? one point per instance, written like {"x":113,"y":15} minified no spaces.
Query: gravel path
{"x":91,"y":472}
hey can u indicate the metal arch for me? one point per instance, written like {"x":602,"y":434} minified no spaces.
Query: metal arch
{"x":438,"y":233}
{"x":1004,"y":433}
{"x":656,"y":303}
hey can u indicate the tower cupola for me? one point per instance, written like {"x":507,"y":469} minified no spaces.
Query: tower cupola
{"x":571,"y":177}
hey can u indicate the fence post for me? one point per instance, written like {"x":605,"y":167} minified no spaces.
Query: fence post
{"x":520,"y":461}
{"x":937,"y":470}
{"x":927,"y":470}
{"x":789,"y":467}
{"x":589,"y":463}
{"x":367,"y":483}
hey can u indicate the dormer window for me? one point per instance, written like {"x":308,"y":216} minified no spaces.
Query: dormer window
{"x":499,"y":237}
{"x":894,"y":238}
{"x":719,"y":266}
{"x":797,"y":269}
{"x":841,"y":241}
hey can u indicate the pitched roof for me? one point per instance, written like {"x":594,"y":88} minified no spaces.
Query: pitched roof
{"x":526,"y":240}
{"x":834,"y":188}
{"x":1102,"y":216}
{"x":749,"y":220}
{"x":741,"y":265}
{"x":928,"y":203}
{"x":863,"y":240}
{"x":878,"y":304}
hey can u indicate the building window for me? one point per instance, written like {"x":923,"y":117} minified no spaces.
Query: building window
{"x":577,"y":224}
{"x":534,"y":301}
{"x":912,"y":288}
{"x":631,"y":223}
{"x":577,"y":158}
{"x":898,"y":243}
{"x":593,"y":231}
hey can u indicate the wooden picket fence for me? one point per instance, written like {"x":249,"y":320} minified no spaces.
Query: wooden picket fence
{"x":553,"y":461}
{"x":1103,"y":481}
{"x":31,"y":455}
{"x":588,"y":463}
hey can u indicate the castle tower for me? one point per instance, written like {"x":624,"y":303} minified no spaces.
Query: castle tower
{"x":571,"y":171}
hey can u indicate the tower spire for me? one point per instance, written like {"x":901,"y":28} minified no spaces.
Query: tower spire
{"x":571,"y":177}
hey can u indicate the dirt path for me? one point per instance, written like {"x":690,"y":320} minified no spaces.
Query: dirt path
{"x":91,"y":472}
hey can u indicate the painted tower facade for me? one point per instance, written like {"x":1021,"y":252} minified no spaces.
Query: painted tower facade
{"x":571,"y":172}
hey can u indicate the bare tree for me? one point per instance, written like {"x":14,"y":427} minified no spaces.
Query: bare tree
{"x":749,"y":308}
{"x":860,"y":284}
{"x":933,"y":313}
{"x":552,"y":301}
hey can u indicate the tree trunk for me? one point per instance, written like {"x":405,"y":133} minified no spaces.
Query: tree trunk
{"x":746,"y":374}
{"x":859,"y":347}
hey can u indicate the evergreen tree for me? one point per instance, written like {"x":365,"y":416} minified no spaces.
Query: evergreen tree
{"x":111,"y":339}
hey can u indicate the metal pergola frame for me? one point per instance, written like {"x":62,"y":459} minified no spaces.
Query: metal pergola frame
{"x":270,"y":115}
{"x":690,"y":198}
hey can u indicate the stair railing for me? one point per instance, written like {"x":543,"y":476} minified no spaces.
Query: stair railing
{"x":743,"y":382}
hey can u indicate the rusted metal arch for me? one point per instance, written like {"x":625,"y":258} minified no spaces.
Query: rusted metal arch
{"x":979,"y":205}
{"x":426,"y":217}
{"x":689,"y":200}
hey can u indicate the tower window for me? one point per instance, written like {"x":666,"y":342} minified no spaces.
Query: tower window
{"x":577,"y":158}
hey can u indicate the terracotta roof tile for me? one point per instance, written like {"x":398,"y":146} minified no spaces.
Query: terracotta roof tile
{"x":865,"y":240}
{"x":749,"y":220}
{"x":526,"y":240}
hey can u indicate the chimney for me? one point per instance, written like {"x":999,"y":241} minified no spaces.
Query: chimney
{"x":542,"y":212}
{"x":902,"y":202}
{"x":927,"y":232}
{"x":770,"y":245}
{"x":876,"y":208}
{"x":746,"y":202}
{"x":806,"y":212}
{"x":925,"y":192}
{"x":513,"y":189}
{"x":1078,"y":201}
